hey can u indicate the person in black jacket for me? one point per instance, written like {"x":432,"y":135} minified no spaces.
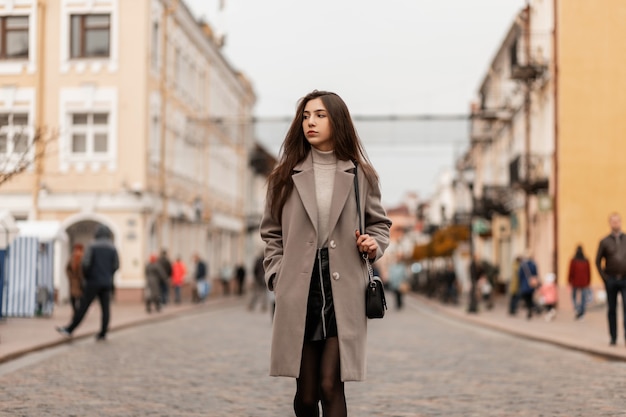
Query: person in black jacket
{"x":99,"y":264}
{"x":165,"y":263}
{"x":202,"y":285}
{"x":611,"y":264}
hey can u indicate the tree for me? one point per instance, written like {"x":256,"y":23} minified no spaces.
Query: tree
{"x":19,"y":151}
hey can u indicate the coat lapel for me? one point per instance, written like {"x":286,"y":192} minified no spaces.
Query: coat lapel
{"x":304,"y":182}
{"x":344,"y":183}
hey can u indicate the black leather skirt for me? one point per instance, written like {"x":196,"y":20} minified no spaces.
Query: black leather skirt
{"x":320,"y":313}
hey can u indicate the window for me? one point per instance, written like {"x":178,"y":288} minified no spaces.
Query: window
{"x":89,"y":133}
{"x":155,"y":45}
{"x":13,"y":37}
{"x":155,"y":138}
{"x":90,"y":35}
{"x":14,"y":133}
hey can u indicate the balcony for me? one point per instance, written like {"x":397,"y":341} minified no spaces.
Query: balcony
{"x":529,"y":63}
{"x":527,"y":72}
{"x":261,"y":161}
{"x":531,"y":172}
{"x":482,"y":130}
{"x":503,"y":114}
{"x":462,"y":218}
{"x":485,"y":122}
{"x":495,"y":200}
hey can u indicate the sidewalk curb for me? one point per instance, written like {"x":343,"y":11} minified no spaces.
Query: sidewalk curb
{"x":476,"y":319}
{"x":149,"y":319}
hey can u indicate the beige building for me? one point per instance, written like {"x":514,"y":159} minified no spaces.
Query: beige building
{"x":509,"y":162}
{"x":150,"y":125}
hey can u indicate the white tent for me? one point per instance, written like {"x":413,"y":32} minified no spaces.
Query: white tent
{"x":51,"y":231}
{"x":44,"y":230}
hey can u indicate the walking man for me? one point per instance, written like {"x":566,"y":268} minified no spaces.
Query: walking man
{"x":99,"y":265}
{"x":165,"y":263}
{"x":612,"y":250}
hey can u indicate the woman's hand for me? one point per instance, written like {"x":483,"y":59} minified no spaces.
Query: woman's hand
{"x":366,"y":244}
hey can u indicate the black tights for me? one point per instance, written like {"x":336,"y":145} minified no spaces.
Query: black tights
{"x":320,"y":379}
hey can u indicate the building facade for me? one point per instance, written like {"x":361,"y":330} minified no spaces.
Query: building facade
{"x":512,"y":147}
{"x":547,"y":134}
{"x":148,"y":126}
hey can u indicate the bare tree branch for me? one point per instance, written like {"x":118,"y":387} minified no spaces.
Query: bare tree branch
{"x":24,"y":153}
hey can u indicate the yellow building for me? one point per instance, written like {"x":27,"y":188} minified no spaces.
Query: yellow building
{"x":590,"y":123}
{"x":148,"y":126}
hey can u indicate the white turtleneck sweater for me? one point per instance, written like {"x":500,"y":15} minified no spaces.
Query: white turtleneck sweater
{"x":324,"y":167}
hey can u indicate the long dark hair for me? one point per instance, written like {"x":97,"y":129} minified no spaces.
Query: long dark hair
{"x":579,"y":254}
{"x":295,"y":148}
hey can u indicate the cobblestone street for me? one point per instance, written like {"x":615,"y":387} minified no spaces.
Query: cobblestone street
{"x":215,"y":363}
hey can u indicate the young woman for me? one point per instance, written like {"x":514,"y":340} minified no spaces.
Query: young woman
{"x":579,"y":277}
{"x":313,"y":253}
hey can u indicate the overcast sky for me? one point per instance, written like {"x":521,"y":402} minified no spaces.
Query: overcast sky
{"x":382,"y":57}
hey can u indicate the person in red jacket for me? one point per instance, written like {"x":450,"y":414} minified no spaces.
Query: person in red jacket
{"x":179,"y":270}
{"x":579,"y":277}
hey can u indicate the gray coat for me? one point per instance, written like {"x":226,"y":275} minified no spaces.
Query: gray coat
{"x":291,"y":244}
{"x":155,"y":278}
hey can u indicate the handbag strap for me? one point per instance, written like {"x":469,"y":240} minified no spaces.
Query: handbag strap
{"x":358,"y":199}
{"x":370,"y":271}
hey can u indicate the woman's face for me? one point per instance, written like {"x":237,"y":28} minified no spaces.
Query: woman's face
{"x":316,"y":125}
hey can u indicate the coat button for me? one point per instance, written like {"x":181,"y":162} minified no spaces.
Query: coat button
{"x":333,"y":245}
{"x":335,"y":276}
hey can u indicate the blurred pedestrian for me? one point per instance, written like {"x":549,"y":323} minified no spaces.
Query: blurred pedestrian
{"x":226,"y":275}
{"x":579,"y":277}
{"x":486,"y":290}
{"x":397,"y":278}
{"x":165,"y":263}
{"x":475,"y":272}
{"x":259,"y":291}
{"x":179,"y":271}
{"x":74,"y":272}
{"x":155,"y":276}
{"x":99,"y":264}
{"x":528,"y":282}
{"x":612,"y":250}
{"x":549,"y":294}
{"x":513,"y":288}
{"x":309,"y":227}
{"x":240,"y":275}
{"x":201,"y":281}
{"x":450,"y":282}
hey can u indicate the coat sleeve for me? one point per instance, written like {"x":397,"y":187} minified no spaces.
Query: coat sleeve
{"x":377,"y":224}
{"x":272,"y":234}
{"x":599,"y":257}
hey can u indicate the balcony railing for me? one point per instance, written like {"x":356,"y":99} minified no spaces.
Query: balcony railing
{"x":529,"y":63}
{"x":484,"y":123}
{"x":496,"y":199}
{"x":531,"y":172}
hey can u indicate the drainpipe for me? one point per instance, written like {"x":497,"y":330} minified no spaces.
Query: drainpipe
{"x":527,"y":103}
{"x":40,"y":146}
{"x":555,"y":157}
{"x":162,"y":220}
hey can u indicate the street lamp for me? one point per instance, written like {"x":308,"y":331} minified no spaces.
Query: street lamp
{"x":468,"y":175}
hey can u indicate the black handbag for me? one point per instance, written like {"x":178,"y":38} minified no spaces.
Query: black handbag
{"x":375,"y":303}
